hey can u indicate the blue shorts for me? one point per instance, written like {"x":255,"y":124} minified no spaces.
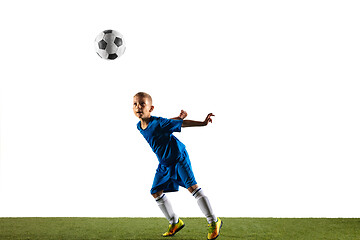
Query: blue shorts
{"x":169,"y":178}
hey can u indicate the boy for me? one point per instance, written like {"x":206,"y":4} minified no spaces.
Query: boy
{"x":174,"y":168}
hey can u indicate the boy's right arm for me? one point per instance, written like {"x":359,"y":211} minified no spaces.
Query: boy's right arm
{"x":182,"y":116}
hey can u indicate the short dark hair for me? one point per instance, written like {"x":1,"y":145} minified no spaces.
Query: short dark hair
{"x":144,"y":95}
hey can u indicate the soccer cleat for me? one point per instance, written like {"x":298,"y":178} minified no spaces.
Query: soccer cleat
{"x":174,"y":228}
{"x":214,"y":229}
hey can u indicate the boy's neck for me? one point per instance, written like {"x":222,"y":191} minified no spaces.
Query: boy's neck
{"x":144,"y":122}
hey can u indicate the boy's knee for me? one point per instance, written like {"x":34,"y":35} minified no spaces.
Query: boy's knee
{"x":193,"y":188}
{"x":155,"y":195}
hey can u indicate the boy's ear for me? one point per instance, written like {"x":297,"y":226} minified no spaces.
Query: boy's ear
{"x":152,"y":108}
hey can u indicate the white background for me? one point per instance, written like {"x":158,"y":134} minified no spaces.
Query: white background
{"x":282,"y":78}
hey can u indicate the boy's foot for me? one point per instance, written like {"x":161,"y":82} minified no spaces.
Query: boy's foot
{"x":214,"y":229}
{"x":174,"y":228}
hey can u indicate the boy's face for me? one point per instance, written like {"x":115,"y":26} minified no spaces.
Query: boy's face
{"x":142,"y":107}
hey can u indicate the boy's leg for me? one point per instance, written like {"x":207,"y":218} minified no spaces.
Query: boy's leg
{"x":215,"y":223}
{"x":203,"y":203}
{"x":187,"y":176}
{"x":165,"y":206}
{"x":176,"y":224}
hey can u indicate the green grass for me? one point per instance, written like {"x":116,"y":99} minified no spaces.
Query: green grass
{"x":196,"y":228}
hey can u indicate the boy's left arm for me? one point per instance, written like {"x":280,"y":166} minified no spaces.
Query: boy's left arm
{"x":191,"y":123}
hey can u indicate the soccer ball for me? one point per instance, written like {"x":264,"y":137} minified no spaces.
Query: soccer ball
{"x":109,"y":44}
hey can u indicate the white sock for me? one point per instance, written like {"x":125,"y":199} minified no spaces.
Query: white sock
{"x":204,"y":205}
{"x":165,"y":206}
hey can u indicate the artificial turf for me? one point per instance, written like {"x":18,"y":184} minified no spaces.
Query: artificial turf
{"x":196,"y":228}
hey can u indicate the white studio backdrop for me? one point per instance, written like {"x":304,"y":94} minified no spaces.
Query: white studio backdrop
{"x":282,"y":78}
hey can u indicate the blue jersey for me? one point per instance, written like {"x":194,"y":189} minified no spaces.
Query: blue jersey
{"x":165,"y":145}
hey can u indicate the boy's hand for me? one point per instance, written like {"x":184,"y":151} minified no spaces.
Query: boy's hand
{"x":208,"y":118}
{"x":183,"y":114}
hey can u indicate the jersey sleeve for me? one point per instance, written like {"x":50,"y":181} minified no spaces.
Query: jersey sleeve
{"x":171,"y":125}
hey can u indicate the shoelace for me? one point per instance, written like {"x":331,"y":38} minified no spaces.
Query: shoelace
{"x":212,"y":227}
{"x":171,"y":226}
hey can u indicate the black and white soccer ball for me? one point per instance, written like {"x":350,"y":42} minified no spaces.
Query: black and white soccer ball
{"x":109,"y":44}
